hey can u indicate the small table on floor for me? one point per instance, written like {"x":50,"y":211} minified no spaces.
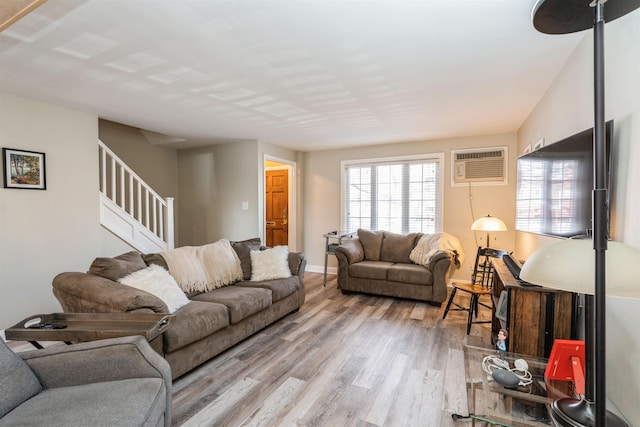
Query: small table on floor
{"x":332,"y":241}
{"x":79,"y":327}
{"x":491,"y":403}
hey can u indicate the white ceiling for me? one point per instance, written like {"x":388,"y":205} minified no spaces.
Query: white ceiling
{"x":304,"y":74}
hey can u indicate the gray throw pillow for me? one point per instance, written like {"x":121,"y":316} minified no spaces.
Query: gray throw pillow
{"x":243,"y":249}
{"x":117,"y":267}
{"x":157,"y":259}
{"x":397,"y":247}
{"x":17,"y":382}
{"x":371,"y":243}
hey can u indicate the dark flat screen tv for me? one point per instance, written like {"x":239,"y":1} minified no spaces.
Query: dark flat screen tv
{"x":555,"y":186}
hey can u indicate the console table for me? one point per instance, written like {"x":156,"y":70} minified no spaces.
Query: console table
{"x":332,"y":241}
{"x":535,"y":315}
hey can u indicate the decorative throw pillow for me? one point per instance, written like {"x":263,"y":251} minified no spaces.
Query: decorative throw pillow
{"x":157,"y":281}
{"x":371,"y":243}
{"x":397,"y":247}
{"x":117,"y":267}
{"x":270,"y":264}
{"x":243,"y":249}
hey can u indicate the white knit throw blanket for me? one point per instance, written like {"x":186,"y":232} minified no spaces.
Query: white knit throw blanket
{"x":204,"y":268}
{"x":430,"y":244}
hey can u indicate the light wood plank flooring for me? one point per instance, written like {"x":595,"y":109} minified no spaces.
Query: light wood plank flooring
{"x":342,"y":360}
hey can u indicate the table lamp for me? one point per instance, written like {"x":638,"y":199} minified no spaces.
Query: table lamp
{"x":569,"y":265}
{"x":563,"y":17}
{"x":488,"y":223}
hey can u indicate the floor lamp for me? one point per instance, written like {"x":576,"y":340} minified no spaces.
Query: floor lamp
{"x":562,"y":17}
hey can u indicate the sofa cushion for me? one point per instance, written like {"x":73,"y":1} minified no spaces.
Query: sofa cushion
{"x":242,"y":302}
{"x":17,"y":382}
{"x":410,"y":273}
{"x":371,"y":242}
{"x":280,"y":288}
{"x":397,"y":247}
{"x":270,"y":264}
{"x":243,"y":249}
{"x":117,"y":267}
{"x":193,"y":322}
{"x":134,"y":402}
{"x":370,"y":270}
{"x":157,"y":281}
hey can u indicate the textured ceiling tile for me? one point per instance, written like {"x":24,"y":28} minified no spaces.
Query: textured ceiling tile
{"x":86,"y":46}
{"x":135,"y":62}
{"x":230,"y":95}
{"x":255,"y":101}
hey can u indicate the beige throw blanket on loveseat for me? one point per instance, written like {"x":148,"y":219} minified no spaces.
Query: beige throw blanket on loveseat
{"x":204,"y":268}
{"x":430,"y":244}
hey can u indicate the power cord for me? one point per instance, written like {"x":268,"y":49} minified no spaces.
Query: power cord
{"x":520,"y":370}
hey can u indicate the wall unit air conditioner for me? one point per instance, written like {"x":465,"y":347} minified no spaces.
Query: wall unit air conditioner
{"x":483,"y":166}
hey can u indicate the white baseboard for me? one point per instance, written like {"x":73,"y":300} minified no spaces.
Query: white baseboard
{"x":320,"y":269}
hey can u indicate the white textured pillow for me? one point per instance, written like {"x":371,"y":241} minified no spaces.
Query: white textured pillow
{"x":157,"y":281}
{"x":270,"y":264}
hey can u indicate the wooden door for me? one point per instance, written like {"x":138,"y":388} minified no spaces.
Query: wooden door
{"x":277,"y":202}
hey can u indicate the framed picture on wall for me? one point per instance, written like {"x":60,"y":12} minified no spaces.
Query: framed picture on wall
{"x":23,"y":169}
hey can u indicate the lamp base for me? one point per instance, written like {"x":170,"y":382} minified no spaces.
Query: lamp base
{"x":580,"y":413}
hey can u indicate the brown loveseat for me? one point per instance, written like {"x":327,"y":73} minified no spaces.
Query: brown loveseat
{"x":379,"y":262}
{"x":208,"y":324}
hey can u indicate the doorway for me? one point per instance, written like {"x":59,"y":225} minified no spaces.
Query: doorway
{"x":279,"y":211}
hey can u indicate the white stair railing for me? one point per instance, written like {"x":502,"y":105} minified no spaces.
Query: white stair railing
{"x":130,"y":208}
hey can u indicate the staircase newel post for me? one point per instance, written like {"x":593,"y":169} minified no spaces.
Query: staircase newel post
{"x":168,"y":224}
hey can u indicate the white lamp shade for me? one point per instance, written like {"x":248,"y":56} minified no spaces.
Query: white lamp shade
{"x":569,"y":265}
{"x":488,"y":223}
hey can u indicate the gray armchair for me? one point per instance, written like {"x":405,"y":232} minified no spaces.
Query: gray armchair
{"x":112,"y":382}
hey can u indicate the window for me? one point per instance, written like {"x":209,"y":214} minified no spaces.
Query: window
{"x":549,"y":196}
{"x":401,"y":195}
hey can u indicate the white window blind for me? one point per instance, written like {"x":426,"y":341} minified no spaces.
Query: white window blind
{"x":549,"y":196}
{"x":401,"y":195}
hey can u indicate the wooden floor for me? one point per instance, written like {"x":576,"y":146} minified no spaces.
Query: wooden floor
{"x":342,"y":360}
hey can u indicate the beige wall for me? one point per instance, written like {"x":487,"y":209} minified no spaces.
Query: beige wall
{"x":567,"y":108}
{"x":213,"y":182}
{"x":43,"y":233}
{"x":322,"y":195}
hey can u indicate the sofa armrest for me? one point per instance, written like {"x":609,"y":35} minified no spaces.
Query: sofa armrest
{"x":439,"y":255}
{"x":110,"y":359}
{"x":352,"y":250}
{"x":88,"y":293}
{"x":439,"y":266}
{"x":297,"y":263}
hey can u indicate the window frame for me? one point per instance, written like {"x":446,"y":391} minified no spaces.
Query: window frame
{"x":427,"y":157}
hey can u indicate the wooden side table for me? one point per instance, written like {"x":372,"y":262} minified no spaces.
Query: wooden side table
{"x":79,"y":327}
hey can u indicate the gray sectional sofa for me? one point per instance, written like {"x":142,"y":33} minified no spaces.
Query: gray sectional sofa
{"x":208,"y":324}
{"x":379,"y":262}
